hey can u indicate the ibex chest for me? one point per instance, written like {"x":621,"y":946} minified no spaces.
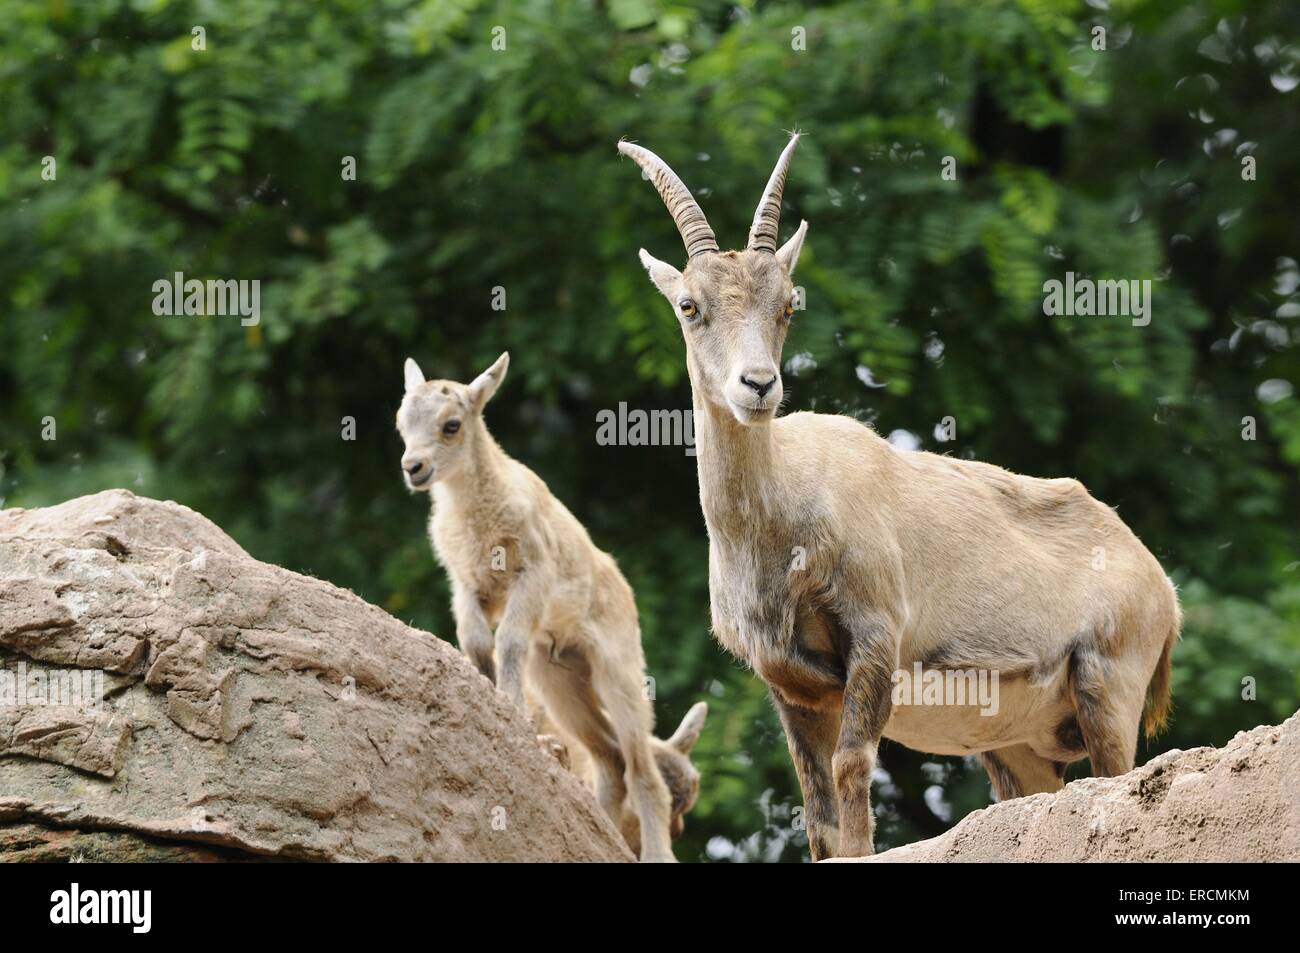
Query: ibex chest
{"x":773,"y":598}
{"x":483,"y":562}
{"x":757,"y":594}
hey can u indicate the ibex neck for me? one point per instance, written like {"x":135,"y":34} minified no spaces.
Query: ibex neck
{"x":480,"y":479}
{"x":735,"y":463}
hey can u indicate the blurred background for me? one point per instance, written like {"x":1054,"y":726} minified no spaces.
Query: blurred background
{"x":1171,"y":155}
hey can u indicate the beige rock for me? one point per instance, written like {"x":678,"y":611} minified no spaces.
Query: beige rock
{"x":1236,"y":803}
{"x":253,"y":710}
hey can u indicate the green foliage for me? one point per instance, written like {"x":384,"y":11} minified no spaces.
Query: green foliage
{"x":480,"y":167}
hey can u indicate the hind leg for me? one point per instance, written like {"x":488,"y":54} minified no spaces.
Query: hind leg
{"x":1108,"y":709}
{"x":564,"y":684}
{"x":1017,"y":771}
{"x":623,"y":698}
{"x":1111,"y":738}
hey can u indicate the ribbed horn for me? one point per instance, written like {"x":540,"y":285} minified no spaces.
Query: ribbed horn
{"x":767,"y":217}
{"x":686,"y":212}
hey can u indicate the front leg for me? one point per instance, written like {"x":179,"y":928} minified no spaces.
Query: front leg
{"x":811,"y":737}
{"x":523,"y":614}
{"x":868,"y":702}
{"x":473,"y":633}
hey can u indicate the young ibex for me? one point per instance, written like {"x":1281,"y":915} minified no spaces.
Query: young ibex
{"x":836,"y":560}
{"x":521,"y":563}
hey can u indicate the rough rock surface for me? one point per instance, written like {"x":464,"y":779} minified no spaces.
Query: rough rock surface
{"x":250,"y":712}
{"x":1236,"y":803}
{"x":38,"y":843}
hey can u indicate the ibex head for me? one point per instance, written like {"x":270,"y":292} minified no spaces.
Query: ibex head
{"x":735,"y":306}
{"x":440,"y":421}
{"x":673,"y":758}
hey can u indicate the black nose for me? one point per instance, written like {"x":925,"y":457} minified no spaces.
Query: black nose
{"x":760,"y":389}
{"x":414,"y":468}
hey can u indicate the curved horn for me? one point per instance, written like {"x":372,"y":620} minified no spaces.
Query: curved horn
{"x":767,"y":217}
{"x":686,"y":212}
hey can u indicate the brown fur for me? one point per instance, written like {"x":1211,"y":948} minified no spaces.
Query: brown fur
{"x":902,"y":557}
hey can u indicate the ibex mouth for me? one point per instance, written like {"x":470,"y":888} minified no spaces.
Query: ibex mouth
{"x":419,"y":484}
{"x":753,"y":405}
{"x":755,"y":412}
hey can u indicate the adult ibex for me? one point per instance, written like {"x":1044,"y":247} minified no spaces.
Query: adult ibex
{"x":837,"y":560}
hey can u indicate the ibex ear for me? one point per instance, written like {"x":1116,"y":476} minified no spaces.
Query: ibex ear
{"x":486,"y":384}
{"x":664,"y":275}
{"x":788,"y":254}
{"x":688,"y":732}
{"x":414,"y":376}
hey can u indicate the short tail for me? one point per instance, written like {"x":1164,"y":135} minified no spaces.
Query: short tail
{"x":1159,"y":691}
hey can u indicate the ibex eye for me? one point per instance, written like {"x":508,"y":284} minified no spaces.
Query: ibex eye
{"x":450,"y":427}
{"x":687,"y":307}
{"x":789,"y":308}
